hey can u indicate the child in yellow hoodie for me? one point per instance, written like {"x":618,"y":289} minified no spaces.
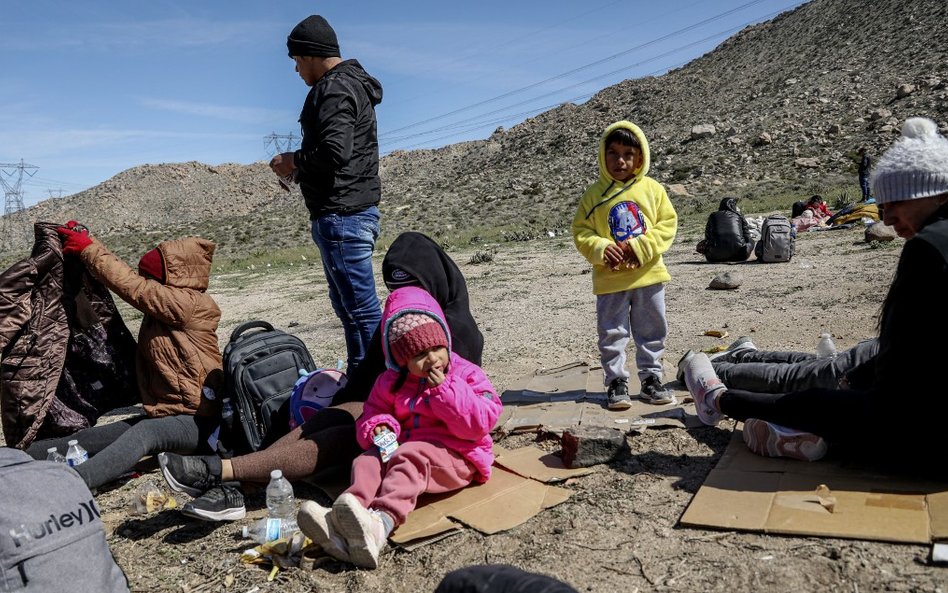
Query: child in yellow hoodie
{"x":623,"y":225}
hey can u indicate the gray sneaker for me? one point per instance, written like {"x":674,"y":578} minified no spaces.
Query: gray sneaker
{"x":653,"y":392}
{"x":739,"y":345}
{"x":680,"y":375}
{"x":619,"y":394}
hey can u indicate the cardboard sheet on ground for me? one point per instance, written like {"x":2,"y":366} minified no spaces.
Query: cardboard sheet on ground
{"x":573,"y":395}
{"x":826,"y":498}
{"x":517,"y":490}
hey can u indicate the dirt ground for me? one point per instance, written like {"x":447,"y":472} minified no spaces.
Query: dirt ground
{"x":619,"y":531}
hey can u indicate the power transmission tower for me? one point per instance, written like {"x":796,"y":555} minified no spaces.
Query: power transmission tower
{"x":11,"y":178}
{"x":55,"y":193}
{"x":275,"y":143}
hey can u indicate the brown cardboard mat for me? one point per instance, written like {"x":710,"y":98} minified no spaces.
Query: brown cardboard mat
{"x":555,"y":399}
{"x":748,"y":492}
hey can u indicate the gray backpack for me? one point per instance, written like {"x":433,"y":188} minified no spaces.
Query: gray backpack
{"x":51,"y":537}
{"x":777,"y":237}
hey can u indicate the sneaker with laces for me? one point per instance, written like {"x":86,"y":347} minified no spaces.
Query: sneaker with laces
{"x":741,"y":344}
{"x":680,"y":375}
{"x":705,"y":386}
{"x":772,"y":440}
{"x":220,"y":503}
{"x":653,"y":392}
{"x":618,"y":394}
{"x":191,"y":474}
{"x":362,"y":529}
{"x":316,"y":523}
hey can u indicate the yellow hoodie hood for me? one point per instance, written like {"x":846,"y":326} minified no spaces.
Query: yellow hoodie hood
{"x":604,"y":176}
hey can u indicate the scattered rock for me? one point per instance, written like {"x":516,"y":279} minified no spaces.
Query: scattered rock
{"x":726,"y":281}
{"x":592,"y":445}
{"x":703,"y":131}
{"x":807,"y":162}
{"x":880,"y":232}
{"x":904,"y":90}
{"x":677,"y":189}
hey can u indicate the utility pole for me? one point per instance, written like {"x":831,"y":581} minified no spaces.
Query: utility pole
{"x":275,"y":143}
{"x":11,"y":178}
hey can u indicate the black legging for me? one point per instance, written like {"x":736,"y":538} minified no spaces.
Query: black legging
{"x":115,"y":448}
{"x":837,"y":415}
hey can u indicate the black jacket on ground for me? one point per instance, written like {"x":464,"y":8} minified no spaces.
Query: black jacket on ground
{"x":416,"y":256}
{"x":338,"y":160}
{"x":726,"y":235}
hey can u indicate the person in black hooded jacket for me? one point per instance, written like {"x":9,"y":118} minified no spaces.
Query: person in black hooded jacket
{"x":327,"y":440}
{"x":727,"y":236}
{"x":337,"y":168}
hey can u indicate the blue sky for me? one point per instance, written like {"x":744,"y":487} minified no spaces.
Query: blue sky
{"x":89,"y":89}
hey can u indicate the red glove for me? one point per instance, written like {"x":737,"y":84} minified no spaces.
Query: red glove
{"x":74,"y":241}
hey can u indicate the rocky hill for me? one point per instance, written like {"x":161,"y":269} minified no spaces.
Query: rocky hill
{"x":779,"y":108}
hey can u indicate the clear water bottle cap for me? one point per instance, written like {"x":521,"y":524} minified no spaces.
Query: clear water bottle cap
{"x":276,"y":474}
{"x":73,"y":442}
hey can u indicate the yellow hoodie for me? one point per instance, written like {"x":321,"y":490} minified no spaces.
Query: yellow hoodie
{"x":637,"y":211}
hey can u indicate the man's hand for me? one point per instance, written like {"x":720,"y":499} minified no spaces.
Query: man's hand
{"x":283,"y":164}
{"x":74,"y":241}
{"x":613,"y":255}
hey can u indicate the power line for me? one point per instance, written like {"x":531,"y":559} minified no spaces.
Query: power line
{"x":574,"y":70}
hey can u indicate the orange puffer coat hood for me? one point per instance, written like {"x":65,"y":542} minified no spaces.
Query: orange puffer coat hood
{"x":178,"y":351}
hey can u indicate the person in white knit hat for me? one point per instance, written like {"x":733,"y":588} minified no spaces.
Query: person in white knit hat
{"x":901,"y":412}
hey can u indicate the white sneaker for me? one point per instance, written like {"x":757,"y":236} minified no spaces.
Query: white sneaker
{"x":704,"y":386}
{"x":362,"y":529}
{"x":772,"y":440}
{"x":315,"y":522}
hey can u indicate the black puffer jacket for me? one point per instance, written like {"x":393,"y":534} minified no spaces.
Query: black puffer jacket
{"x":727,"y":236}
{"x":65,"y":353}
{"x":338,"y":160}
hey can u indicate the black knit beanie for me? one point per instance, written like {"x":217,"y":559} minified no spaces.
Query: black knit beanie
{"x":313,"y":37}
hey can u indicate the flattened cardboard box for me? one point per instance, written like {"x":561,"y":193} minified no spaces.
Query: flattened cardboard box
{"x":825,"y":498}
{"x":517,"y":490}
{"x":573,"y":395}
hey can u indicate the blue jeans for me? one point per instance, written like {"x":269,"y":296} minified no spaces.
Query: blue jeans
{"x":345,"y":243}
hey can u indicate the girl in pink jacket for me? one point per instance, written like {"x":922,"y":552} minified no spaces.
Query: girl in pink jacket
{"x":438,"y":406}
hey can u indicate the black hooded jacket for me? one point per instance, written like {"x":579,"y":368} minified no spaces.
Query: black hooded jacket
{"x":338,"y":161}
{"x":727,"y":235}
{"x":415,"y":259}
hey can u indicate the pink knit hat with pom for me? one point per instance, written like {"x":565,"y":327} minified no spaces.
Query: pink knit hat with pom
{"x":412,"y":333}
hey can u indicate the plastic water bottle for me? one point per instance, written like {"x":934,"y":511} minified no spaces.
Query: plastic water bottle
{"x":825,"y":348}
{"x":265,"y":530}
{"x":53,"y":455}
{"x":281,"y":503}
{"x":76,"y":455}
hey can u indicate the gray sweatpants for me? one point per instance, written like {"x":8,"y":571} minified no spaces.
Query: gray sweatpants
{"x":765,"y":371}
{"x":640,"y":314}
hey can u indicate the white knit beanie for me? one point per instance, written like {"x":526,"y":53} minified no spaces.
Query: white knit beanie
{"x":916,"y":166}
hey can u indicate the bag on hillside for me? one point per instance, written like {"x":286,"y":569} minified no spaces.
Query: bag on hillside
{"x":777,"y":237}
{"x":313,"y":392}
{"x":53,"y":538}
{"x":261,"y":366}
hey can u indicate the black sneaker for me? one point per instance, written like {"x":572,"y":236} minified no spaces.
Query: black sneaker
{"x":653,"y":392}
{"x":221,"y":503}
{"x":191,"y":474}
{"x":619,"y":395}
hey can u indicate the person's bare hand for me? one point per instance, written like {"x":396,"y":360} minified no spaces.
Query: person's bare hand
{"x":380,"y":428}
{"x":631,"y":260}
{"x":613,"y":255}
{"x":436,"y":376}
{"x":283,"y":164}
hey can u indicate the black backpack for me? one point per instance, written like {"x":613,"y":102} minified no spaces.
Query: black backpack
{"x":260,"y":369}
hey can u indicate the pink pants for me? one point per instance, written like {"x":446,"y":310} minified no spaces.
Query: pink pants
{"x":415,"y":467}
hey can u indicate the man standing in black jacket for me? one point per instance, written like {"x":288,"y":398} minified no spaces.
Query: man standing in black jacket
{"x":337,"y":168}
